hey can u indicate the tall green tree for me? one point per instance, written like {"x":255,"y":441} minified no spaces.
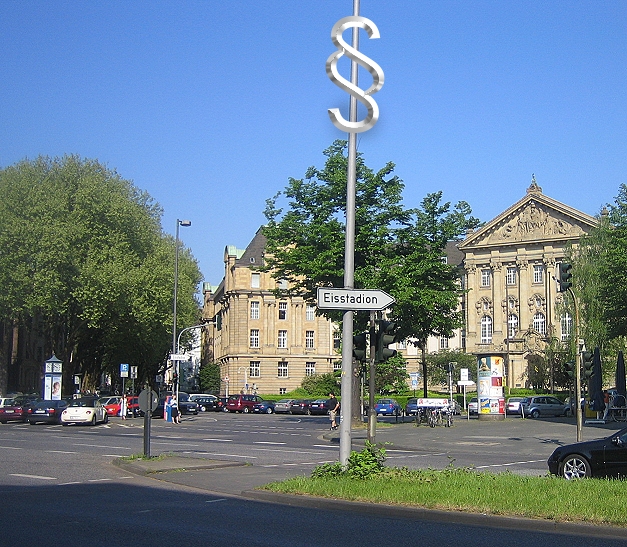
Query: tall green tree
{"x":82,"y":249}
{"x":397,"y":249}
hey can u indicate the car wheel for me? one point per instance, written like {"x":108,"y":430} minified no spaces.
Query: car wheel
{"x":246,"y":410}
{"x":575,"y":466}
{"x":203,"y":409}
{"x":308,"y":412}
{"x":106,"y":419}
{"x":269,"y":411}
{"x":535,"y":413}
{"x":225,"y":409}
{"x":567,"y":412}
{"x":93,"y":420}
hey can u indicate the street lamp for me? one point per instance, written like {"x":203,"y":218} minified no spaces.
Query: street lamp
{"x":178,"y":363}
{"x":176,"y":282}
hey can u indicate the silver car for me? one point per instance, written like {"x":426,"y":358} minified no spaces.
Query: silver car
{"x":543,"y":405}
{"x":284,"y":405}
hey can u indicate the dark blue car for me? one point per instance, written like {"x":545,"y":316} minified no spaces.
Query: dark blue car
{"x":264,"y":407}
{"x":387,"y":407}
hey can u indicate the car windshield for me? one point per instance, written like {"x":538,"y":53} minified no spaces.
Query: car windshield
{"x":83,"y":403}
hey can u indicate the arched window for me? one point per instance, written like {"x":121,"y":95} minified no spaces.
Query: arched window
{"x":512,"y":325}
{"x":486,"y":329}
{"x":539,"y":323}
{"x":567,"y":326}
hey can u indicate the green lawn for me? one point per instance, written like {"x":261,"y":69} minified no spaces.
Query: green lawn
{"x":597,"y":501}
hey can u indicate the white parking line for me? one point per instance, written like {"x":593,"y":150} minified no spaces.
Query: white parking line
{"x":219,"y":440}
{"x":266,"y":442}
{"x":507,"y":464}
{"x":12,"y":447}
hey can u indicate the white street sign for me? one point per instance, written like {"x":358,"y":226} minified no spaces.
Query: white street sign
{"x":178,"y":357}
{"x":353,"y":299}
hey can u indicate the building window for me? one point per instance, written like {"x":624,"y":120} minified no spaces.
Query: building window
{"x":337,"y":339}
{"x":511,"y":276}
{"x":567,"y":326}
{"x":402,"y":344}
{"x":282,"y":310}
{"x":444,"y":259}
{"x":485,"y":278}
{"x":310,"y":313}
{"x":282,"y":284}
{"x":282,"y":340}
{"x":282,"y":390}
{"x":337,"y":365}
{"x":443,"y":342}
{"x":512,"y":325}
{"x":310,"y":369}
{"x":539,"y":323}
{"x":538,"y":270}
{"x":282,"y":369}
{"x":309,"y":339}
{"x":254,"y":309}
{"x":486,"y":329}
{"x":254,"y":338}
{"x":255,"y":369}
{"x":255,"y":280}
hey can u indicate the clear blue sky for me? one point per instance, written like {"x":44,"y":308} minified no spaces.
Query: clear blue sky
{"x":210,"y":105}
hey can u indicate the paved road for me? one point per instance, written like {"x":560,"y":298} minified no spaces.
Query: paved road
{"x":59,"y":485}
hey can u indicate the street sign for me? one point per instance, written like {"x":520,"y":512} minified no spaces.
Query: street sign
{"x":148,"y":400}
{"x":178,"y":357}
{"x":330,"y":298}
{"x":124,"y":370}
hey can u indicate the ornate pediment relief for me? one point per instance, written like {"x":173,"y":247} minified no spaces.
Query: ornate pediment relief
{"x":533,"y":221}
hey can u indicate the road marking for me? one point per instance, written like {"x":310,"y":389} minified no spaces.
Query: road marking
{"x":214,"y":501}
{"x":507,"y":464}
{"x":102,"y":446}
{"x":99,"y":480}
{"x":12,"y":447}
{"x":33,"y":477}
{"x":61,"y":452}
{"x":219,"y":440}
{"x":266,"y":442}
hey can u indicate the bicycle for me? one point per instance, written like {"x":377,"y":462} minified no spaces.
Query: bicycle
{"x":449,"y":417}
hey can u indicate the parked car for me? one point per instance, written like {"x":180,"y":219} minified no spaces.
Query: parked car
{"x":387,"y":407}
{"x":111,"y":404}
{"x":222,"y":402}
{"x":188,"y":407}
{"x":242,"y":403}
{"x":264,"y":407}
{"x":284,"y":405}
{"x":605,"y":457}
{"x":544,"y":405}
{"x":206,"y":403}
{"x":513,"y":405}
{"x":46,"y":411}
{"x":473,"y":406}
{"x":13,"y":412}
{"x":85,"y":410}
{"x":300,"y":406}
{"x":320,"y":406}
{"x":411,"y":407}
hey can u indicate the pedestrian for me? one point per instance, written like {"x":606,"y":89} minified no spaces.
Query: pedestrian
{"x":123,"y":407}
{"x":334,"y":406}
{"x":174,"y":407}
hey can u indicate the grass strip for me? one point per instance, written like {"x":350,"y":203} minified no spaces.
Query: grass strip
{"x":594,"y":501}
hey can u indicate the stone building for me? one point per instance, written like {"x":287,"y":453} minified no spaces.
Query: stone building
{"x":263,"y":342}
{"x":511,"y":265}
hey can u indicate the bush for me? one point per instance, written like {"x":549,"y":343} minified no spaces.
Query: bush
{"x":360,"y":465}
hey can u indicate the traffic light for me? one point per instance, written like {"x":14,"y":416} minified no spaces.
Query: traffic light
{"x":565,"y":277}
{"x":569,"y":367}
{"x":384,"y":337}
{"x":359,"y":346}
{"x":587,"y":357}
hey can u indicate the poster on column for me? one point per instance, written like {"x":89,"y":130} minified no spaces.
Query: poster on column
{"x":490,"y":379}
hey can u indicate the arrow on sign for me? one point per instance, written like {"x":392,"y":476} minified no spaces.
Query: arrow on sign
{"x":353,"y":299}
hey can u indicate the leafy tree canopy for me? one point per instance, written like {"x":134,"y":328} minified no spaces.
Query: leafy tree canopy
{"x":83,"y":252}
{"x":397,"y":249}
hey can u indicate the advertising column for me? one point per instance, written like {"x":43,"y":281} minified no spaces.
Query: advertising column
{"x":490,"y":370}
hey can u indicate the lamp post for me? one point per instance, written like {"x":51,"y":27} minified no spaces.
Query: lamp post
{"x":176,"y":282}
{"x":178,"y":363}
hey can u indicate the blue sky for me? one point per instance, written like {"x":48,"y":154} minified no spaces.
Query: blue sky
{"x":210,"y":106}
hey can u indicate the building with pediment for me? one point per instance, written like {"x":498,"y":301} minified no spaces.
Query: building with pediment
{"x":511,"y":265}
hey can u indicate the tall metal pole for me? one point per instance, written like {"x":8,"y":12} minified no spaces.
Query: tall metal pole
{"x":578,"y":365}
{"x":176,"y":282}
{"x":349,"y":267}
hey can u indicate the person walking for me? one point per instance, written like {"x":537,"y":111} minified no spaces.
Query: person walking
{"x":334,"y":406}
{"x":123,"y":406}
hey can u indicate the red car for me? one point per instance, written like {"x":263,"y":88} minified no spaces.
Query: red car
{"x":242,"y":403}
{"x":12,"y":412}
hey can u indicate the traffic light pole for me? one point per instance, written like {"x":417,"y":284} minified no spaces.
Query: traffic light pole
{"x":372,"y":413}
{"x":578,"y":365}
